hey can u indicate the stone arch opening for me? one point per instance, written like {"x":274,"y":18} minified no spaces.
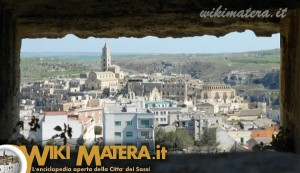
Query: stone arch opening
{"x":32,"y":19}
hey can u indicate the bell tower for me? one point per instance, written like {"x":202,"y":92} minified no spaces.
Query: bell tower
{"x":106,"y":58}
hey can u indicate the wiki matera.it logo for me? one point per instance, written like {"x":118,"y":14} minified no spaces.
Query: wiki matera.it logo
{"x":12,"y":160}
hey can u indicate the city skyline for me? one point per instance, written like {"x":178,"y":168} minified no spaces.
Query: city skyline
{"x":230,"y":43}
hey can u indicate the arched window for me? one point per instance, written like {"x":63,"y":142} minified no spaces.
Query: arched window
{"x":232,"y":94}
{"x":224,"y":95}
{"x":205,"y":95}
{"x":217,"y":96}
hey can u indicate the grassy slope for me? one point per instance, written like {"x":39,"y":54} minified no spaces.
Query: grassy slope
{"x":211,"y":65}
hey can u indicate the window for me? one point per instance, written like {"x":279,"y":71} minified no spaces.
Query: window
{"x":145,"y":122}
{"x":128,"y":134}
{"x":129,"y":123}
{"x":161,"y":119}
{"x":156,"y":119}
{"x":224,"y":95}
{"x":117,"y":123}
{"x":118,"y":134}
{"x":217,"y":95}
{"x":145,"y":134}
{"x":242,"y":140}
{"x":205,"y":95}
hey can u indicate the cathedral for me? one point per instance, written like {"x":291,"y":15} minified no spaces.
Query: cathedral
{"x":109,"y":75}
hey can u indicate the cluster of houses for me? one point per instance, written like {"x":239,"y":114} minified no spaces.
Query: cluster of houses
{"x":9,"y":163}
{"x":129,"y":108}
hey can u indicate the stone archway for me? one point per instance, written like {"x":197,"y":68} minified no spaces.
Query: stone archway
{"x":55,"y":19}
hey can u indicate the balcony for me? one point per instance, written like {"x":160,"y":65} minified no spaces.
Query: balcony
{"x":145,"y":126}
{"x":145,"y":138}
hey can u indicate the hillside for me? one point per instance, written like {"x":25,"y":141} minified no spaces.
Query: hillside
{"x":208,"y":67}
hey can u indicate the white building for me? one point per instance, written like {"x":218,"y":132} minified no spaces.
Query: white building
{"x":9,"y":163}
{"x":82,"y":128}
{"x":10,"y":168}
{"x":240,"y":136}
{"x":128,"y":124}
{"x":274,"y":115}
{"x":163,"y":110}
{"x":202,"y":122}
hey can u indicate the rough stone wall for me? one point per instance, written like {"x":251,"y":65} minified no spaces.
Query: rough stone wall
{"x":140,"y":18}
{"x":9,"y":72}
{"x":290,"y":74}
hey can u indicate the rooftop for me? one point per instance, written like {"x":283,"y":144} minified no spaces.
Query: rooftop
{"x":205,"y":104}
{"x":55,"y":113}
{"x":160,"y":102}
{"x":6,"y":160}
{"x":84,"y":119}
{"x":121,"y":108}
{"x":263,"y":122}
{"x":166,"y":108}
{"x":251,"y":112}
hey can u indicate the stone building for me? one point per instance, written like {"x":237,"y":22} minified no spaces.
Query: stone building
{"x":217,"y":93}
{"x":76,"y":85}
{"x":142,"y":89}
{"x":157,"y":90}
{"x":100,"y":80}
{"x":128,"y":124}
{"x":106,"y":58}
{"x":163,"y":109}
{"x":109,"y":75}
{"x":175,"y":91}
{"x":201,"y":122}
{"x":9,"y":163}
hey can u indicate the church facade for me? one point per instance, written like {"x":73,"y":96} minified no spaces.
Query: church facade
{"x":110,"y":75}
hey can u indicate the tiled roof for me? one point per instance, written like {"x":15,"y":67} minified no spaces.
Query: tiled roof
{"x":251,"y":112}
{"x":56,"y":113}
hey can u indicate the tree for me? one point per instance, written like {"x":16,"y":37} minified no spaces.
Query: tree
{"x":208,"y":139}
{"x":183,"y":139}
{"x":98,"y":130}
{"x":178,"y":139}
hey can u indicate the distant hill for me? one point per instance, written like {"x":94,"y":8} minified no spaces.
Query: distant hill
{"x":208,"y":67}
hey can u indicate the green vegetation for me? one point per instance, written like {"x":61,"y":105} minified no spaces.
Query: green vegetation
{"x":174,"y":140}
{"x":208,"y":140}
{"x":283,"y":142}
{"x":270,"y":80}
{"x":207,"y":67}
{"x":98,"y":130}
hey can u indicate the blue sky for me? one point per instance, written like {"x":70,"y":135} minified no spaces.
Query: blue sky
{"x":232,"y":42}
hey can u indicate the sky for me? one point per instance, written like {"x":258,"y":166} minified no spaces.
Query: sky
{"x":232,"y":42}
{"x":7,"y":152}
